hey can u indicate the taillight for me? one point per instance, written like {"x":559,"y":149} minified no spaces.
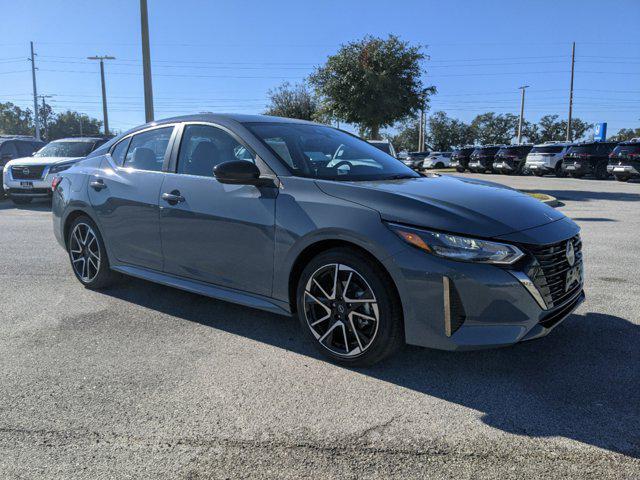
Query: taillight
{"x":55,"y":182}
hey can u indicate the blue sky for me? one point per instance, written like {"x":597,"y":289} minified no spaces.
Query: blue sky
{"x":224,"y":55}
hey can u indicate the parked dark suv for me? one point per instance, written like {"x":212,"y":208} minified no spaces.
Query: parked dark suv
{"x":588,"y":158}
{"x":460,"y":158}
{"x":15,"y":147}
{"x":624,"y":161}
{"x":510,"y":160}
{"x":482,"y":158}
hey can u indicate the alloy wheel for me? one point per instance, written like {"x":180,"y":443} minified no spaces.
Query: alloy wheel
{"x":341,"y":310}
{"x":85,"y":252}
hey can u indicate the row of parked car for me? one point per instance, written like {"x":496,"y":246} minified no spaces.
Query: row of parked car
{"x":28,"y":165}
{"x":599,"y":159}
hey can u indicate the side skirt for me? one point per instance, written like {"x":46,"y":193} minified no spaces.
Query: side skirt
{"x":201,"y":288}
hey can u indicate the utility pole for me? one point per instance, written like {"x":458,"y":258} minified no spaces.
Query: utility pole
{"x":573,"y":62}
{"x":104,"y":89}
{"x":146,"y":62}
{"x":523,"y":88}
{"x":36,"y":119}
{"x":80,"y":120}
{"x":45,"y":117}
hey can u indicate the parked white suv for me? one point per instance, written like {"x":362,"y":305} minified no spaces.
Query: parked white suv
{"x":27,"y":178}
{"x":437,"y":160}
{"x":547,"y":158}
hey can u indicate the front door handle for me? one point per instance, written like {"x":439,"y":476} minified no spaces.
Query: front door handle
{"x":173,"y":197}
{"x":97,"y":184}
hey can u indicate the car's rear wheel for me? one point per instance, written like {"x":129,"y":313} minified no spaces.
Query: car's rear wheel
{"x":576,"y":175}
{"x":538,"y":173}
{"x":21,"y":200}
{"x":622,"y":178}
{"x":348,"y":307}
{"x":600,"y":171}
{"x":439,"y":165}
{"x":88,"y":255}
{"x":560,"y":173}
{"x":460,"y":169}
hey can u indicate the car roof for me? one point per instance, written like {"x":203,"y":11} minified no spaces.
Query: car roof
{"x":79,"y":139}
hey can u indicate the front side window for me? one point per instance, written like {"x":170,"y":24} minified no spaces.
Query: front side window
{"x":203,"y":147}
{"x":147,"y":150}
{"x":25,"y":149}
{"x":8,"y":150}
{"x":66,"y":149}
{"x":323,"y":152}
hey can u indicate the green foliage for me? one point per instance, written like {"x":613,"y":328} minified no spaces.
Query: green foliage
{"x":444,"y":132}
{"x":491,"y":128}
{"x":293,"y":102}
{"x":407,"y":136}
{"x":373,"y":83}
{"x":625,"y":134}
{"x":67,"y":124}
{"x":15,"y":120}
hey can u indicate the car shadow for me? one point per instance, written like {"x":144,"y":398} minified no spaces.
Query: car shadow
{"x":36,"y":205}
{"x":581,"y":382}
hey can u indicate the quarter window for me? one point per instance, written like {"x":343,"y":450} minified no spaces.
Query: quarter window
{"x":119,"y":152}
{"x":147,"y":150}
{"x":203,"y":147}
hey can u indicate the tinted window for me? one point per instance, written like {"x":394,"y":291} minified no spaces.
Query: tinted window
{"x":119,"y":152}
{"x":627,"y":149}
{"x":8,"y":149}
{"x":487,"y":151}
{"x":25,"y":148}
{"x":516,"y":150}
{"x":203,"y":147}
{"x":147,"y":149}
{"x":547,"y":149}
{"x":66,"y":149}
{"x":323,"y":152}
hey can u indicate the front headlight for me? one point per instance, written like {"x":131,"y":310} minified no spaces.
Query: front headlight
{"x":60,"y":168}
{"x":455,"y":247}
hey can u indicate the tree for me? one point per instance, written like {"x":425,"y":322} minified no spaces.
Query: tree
{"x":407,"y":136}
{"x":15,"y":120}
{"x":625,"y":134}
{"x":45,"y":115}
{"x":578,"y":128}
{"x":67,"y":124}
{"x":491,"y":128}
{"x":373,"y":83}
{"x":444,"y":132}
{"x":293,"y":102}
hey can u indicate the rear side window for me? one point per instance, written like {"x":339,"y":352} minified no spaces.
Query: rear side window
{"x":25,"y":148}
{"x":8,"y":150}
{"x":627,"y":149}
{"x":147,"y":150}
{"x":120,"y":151}
{"x":549,"y":149}
{"x":203,"y":147}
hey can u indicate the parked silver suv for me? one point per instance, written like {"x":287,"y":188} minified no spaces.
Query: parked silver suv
{"x":547,"y":158}
{"x":27,"y":178}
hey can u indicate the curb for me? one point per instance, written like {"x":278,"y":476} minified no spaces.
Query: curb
{"x":547,"y":199}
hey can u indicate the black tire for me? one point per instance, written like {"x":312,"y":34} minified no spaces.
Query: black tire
{"x":600,"y":171}
{"x":560,"y":173}
{"x":622,"y":178}
{"x":460,"y":169}
{"x":439,"y":165}
{"x":104,"y":276}
{"x":538,"y":173}
{"x":21,"y":200}
{"x":388,"y":336}
{"x":576,"y":175}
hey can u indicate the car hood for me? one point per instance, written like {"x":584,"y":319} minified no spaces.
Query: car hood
{"x":452,"y":204}
{"x":41,"y":160}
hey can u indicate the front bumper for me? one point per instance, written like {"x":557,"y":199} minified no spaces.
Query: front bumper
{"x":452,"y":305}
{"x":31,"y":188}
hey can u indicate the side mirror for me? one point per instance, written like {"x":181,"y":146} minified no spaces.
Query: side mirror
{"x":238,"y":172}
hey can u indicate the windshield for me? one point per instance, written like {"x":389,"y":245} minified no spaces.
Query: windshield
{"x":66,"y":149}
{"x":317,"y":151}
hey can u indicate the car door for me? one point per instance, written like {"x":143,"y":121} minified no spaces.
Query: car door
{"x":125,"y":194}
{"x":213,"y":232}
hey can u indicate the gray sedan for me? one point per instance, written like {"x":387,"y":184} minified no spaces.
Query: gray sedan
{"x":299,"y":218}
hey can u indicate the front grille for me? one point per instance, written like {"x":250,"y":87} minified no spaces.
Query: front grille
{"x":27,"y":172}
{"x":550,"y":269}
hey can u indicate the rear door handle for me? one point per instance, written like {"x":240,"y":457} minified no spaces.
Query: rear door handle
{"x":173,"y":197}
{"x":97,"y":184}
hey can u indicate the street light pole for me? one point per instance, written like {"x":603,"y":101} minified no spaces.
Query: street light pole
{"x":523,"y":88}
{"x":146,"y":62}
{"x":573,"y":62}
{"x":104,"y":89}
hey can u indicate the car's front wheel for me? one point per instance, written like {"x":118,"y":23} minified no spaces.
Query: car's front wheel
{"x":88,"y":255}
{"x":348,"y":307}
{"x":622,"y":178}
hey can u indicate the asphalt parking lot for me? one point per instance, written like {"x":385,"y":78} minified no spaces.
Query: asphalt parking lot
{"x":143,"y":381}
